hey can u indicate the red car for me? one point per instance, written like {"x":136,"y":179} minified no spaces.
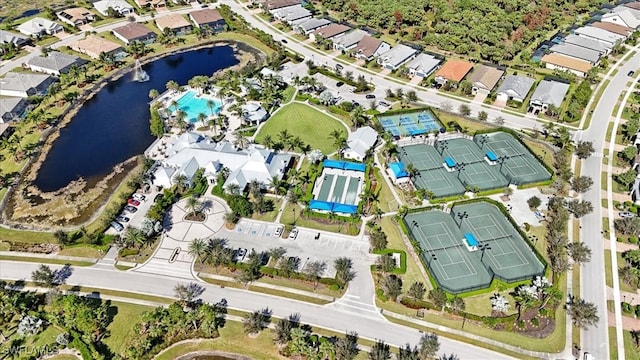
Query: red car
{"x":133,"y":202}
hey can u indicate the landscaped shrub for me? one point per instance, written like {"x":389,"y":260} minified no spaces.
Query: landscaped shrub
{"x":535,"y":322}
{"x":626,"y":308}
{"x":412,"y":303}
{"x":329,"y":281}
{"x":240,"y":205}
{"x":128,"y":252}
{"x":633,"y":239}
{"x":381,"y":296}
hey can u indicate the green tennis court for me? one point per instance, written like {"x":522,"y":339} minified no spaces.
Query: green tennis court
{"x":458,"y":268}
{"x":352,"y":191}
{"x":431,"y":174}
{"x":325,"y":188}
{"x":520,"y":164}
{"x":338,"y":189}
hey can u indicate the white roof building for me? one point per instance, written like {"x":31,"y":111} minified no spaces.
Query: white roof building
{"x":359,"y":143}
{"x":622,"y":15}
{"x":290,"y":14}
{"x":254,"y":113}
{"x":11,"y":109}
{"x":120,"y":6}
{"x":40,"y":26}
{"x":423,"y":65}
{"x":24,"y":84}
{"x":7,"y":37}
{"x":186,"y":153}
{"x":599,"y":34}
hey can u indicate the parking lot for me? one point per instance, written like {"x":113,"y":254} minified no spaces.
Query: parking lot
{"x":259,"y":236}
{"x":135,"y":219}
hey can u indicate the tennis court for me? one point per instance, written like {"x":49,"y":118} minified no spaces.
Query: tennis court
{"x":476,"y":171}
{"x":519,"y":163}
{"x":337,"y":188}
{"x":325,"y":188}
{"x":455,"y":266}
{"x":431,"y":174}
{"x":409,"y":124}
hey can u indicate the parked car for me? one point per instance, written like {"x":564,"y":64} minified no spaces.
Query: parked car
{"x":131,"y":209}
{"x":139,"y":197}
{"x":284,"y":41}
{"x":293,"y":234}
{"x":339,"y":67}
{"x":370,"y":96}
{"x":630,"y":73}
{"x":133,"y":202}
{"x":117,"y":226}
{"x":384,"y":103}
{"x":240,"y":254}
{"x":626,"y":214}
{"x":278,"y":231}
{"x":355,"y":103}
{"x":122,"y":218}
{"x":339,"y":84}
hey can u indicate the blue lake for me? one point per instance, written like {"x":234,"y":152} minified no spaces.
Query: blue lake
{"x":114,"y":125}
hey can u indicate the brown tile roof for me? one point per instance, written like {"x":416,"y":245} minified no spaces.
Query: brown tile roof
{"x":153,"y":3}
{"x":486,"y":76}
{"x":133,"y":31}
{"x":93,"y":45}
{"x":173,"y":21}
{"x":205,"y":16}
{"x":331,"y":30}
{"x":277,"y":4}
{"x":567,"y":62}
{"x":454,"y":70}
{"x":77,"y":13}
{"x":633,"y":5}
{"x":367,"y":46}
{"x":614,"y":28}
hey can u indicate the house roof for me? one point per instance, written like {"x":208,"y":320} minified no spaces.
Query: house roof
{"x":625,"y":14}
{"x":361,"y":140}
{"x":312,"y":24}
{"x":22,"y":81}
{"x":485,"y":77}
{"x":631,"y":9}
{"x":173,"y":21}
{"x":142,"y":3}
{"x":93,"y":45}
{"x":350,"y":38}
{"x":368,"y":45}
{"x":598,"y":33}
{"x":516,"y":86}
{"x":38,"y":25}
{"x":76,"y":13}
{"x":454,"y":70}
{"x":277,"y":4}
{"x":11,"y":37}
{"x":205,"y":16}
{"x":588,"y":43}
{"x":550,"y":92}
{"x":133,"y":31}
{"x":332,"y":30}
{"x":398,"y":54}
{"x":567,"y":62}
{"x":614,"y":28}
{"x":117,"y":5}
{"x":424,"y":63}
{"x":292,"y":13}
{"x":576,"y":51}
{"x":56,"y":61}
{"x":9,"y":104}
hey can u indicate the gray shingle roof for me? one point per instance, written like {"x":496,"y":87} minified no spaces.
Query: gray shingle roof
{"x":311,"y":24}
{"x":55,"y":61}
{"x":516,"y":86}
{"x":350,"y":38}
{"x":598,"y":33}
{"x":11,"y":37}
{"x":398,"y":54}
{"x":550,"y":92}
{"x":424,"y":63}
{"x":577,"y":52}
{"x":588,"y":43}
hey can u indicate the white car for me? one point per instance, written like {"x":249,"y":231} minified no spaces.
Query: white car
{"x":278,"y":231}
{"x":293,"y":234}
{"x":626,"y":214}
{"x":139,"y":197}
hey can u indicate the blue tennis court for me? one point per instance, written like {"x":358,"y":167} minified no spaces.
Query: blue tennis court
{"x":419,"y":122}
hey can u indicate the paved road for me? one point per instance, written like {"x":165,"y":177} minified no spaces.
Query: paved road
{"x":592,"y":277}
{"x":368,"y":326}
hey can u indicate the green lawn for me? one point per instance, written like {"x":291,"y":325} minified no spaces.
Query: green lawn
{"x":312,"y":126}
{"x":630,"y":351}
{"x":394,"y":236}
{"x":386,"y":201}
{"x":121,"y":327}
{"x":47,"y":337}
{"x":607,"y":268}
{"x":46,"y":260}
{"x":326,"y":225}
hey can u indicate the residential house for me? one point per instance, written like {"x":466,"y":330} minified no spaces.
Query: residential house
{"x":254,"y":113}
{"x":39,"y":27}
{"x":188,"y":152}
{"x":18,"y":40}
{"x":271,"y":5}
{"x":453,"y":70}
{"x":565,"y":63}
{"x":76,"y":16}
{"x":635,"y":191}
{"x":423,"y":65}
{"x":55,"y":63}
{"x":360,"y":142}
{"x":12,"y":109}
{"x":548,"y":92}
{"x":121,"y":7}
{"x":93,"y":45}
{"x":291,"y":13}
{"x":614,"y":28}
{"x":24,"y":84}
{"x":515,"y":88}
{"x":329,"y":32}
{"x":599,"y":34}
{"x":176,"y":22}
{"x":633,"y":6}
{"x":348,"y":40}
{"x":208,"y":17}
{"x":396,"y":56}
{"x":134,"y":32}
{"x":622,"y":15}
{"x":587,"y":43}
{"x":484,"y":78}
{"x":369,"y":48}
{"x":307,"y":26}
{"x":151,"y":4}
{"x":576,"y":52}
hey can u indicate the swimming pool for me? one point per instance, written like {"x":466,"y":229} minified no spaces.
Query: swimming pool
{"x":192,"y":104}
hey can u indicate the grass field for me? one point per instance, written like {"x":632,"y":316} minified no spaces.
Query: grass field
{"x":394,"y":236}
{"x":630,"y":351}
{"x":46,"y":260}
{"x":312,"y":126}
{"x":386,"y":201}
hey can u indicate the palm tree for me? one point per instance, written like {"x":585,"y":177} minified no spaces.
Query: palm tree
{"x":582,"y":313}
{"x":563,"y":137}
{"x":339,"y":141}
{"x":285,"y":137}
{"x":211,"y":105}
{"x":579,"y":252}
{"x":153,"y":94}
{"x":267,"y":141}
{"x":174,"y":105}
{"x":439,"y":298}
{"x":181,"y":120}
{"x":193,"y":205}
{"x":241,"y":141}
{"x":295,"y":142}
{"x":523,"y":300}
{"x":181,"y":181}
{"x":314,"y":270}
{"x":344,"y":272}
{"x":212,"y":123}
{"x":357,"y":116}
{"x":202,"y":117}
{"x":172,"y":85}
{"x":135,"y":237}
{"x":380,"y":351}
{"x":233,"y":189}
{"x":198,"y":249}
{"x":255,"y":322}
{"x":457,"y":304}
